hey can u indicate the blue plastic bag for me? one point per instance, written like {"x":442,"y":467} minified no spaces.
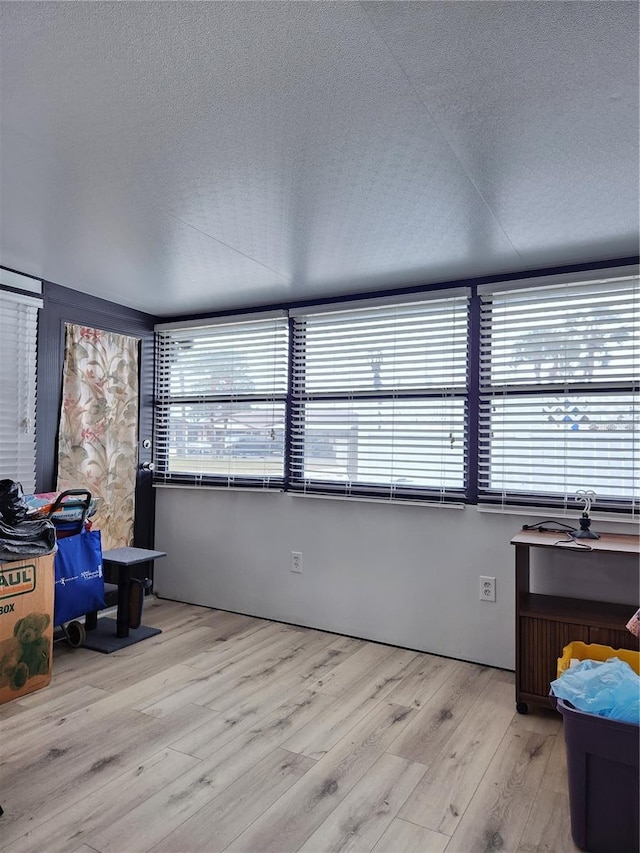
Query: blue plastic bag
{"x":610,"y":689}
{"x":79,"y":582}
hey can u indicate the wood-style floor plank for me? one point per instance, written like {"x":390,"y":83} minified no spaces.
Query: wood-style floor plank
{"x":367,"y":659}
{"x":207,"y":739}
{"x":440,"y":715}
{"x":275,"y":669}
{"x":204,"y":686}
{"x":555,"y":776}
{"x":424,"y":679}
{"x":115,"y":799}
{"x":57,"y":707}
{"x":67,"y":770}
{"x":221,"y":653}
{"x":229,"y":733}
{"x":366,"y":812}
{"x":318,"y":737}
{"x":94,"y":716}
{"x":498,"y":813}
{"x":547,"y":830}
{"x":291,"y":820}
{"x":159,"y":815}
{"x":405,"y":837}
{"x":444,"y":793}
{"x":216,"y":825}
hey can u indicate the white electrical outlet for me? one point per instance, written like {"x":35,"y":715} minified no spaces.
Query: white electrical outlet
{"x":487,"y":589}
{"x":296,"y":562}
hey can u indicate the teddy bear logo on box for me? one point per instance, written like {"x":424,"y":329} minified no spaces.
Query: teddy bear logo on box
{"x":26,"y":653}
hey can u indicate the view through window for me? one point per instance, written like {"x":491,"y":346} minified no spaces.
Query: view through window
{"x":377,"y":397}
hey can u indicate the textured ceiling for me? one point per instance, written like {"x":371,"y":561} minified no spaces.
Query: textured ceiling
{"x":180,"y":157}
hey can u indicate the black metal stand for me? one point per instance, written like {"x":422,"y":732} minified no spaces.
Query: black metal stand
{"x":104,"y":637}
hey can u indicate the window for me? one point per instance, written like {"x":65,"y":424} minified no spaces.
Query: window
{"x":221,"y":393}
{"x":519,"y":392}
{"x":18,"y":346}
{"x":379,"y":399}
{"x":559,"y":405}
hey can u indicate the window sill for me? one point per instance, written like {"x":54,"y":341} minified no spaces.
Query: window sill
{"x":555,"y":512}
{"x":210,"y":488}
{"x":386,"y":501}
{"x":313,"y":495}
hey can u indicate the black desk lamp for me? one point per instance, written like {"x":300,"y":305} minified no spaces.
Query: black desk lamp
{"x":588,"y":497}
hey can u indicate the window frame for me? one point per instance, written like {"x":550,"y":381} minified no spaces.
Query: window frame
{"x":165,"y":400}
{"x":595,"y":390}
{"x":20,"y":362}
{"x":474,"y":491}
{"x":302,"y":396}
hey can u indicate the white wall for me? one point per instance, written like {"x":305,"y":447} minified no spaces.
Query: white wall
{"x":406,"y":575}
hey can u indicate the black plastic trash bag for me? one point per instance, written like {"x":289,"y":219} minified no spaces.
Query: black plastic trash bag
{"x":13,"y":506}
{"x":27,"y":539}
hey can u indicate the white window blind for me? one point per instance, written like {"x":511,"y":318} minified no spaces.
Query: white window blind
{"x":559,"y":404}
{"x":379,"y":399}
{"x":18,"y":348}
{"x":220,"y":402}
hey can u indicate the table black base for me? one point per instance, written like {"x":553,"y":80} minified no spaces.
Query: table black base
{"x":103,"y":638}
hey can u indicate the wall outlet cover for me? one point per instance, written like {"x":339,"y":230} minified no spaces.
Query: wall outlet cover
{"x":487,"y":588}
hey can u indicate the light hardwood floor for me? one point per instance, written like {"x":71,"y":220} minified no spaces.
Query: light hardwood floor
{"x":229,"y":733}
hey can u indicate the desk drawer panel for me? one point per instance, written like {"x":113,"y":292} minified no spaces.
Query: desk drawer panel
{"x":616,"y":638}
{"x":541,"y":645}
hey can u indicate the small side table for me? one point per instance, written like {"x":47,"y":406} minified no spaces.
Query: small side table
{"x":109,"y":635}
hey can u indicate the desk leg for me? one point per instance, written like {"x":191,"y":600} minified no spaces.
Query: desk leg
{"x":522,"y":587}
{"x":124,"y":595}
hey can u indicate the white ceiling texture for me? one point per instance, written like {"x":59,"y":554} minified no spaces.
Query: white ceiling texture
{"x":184,"y":157}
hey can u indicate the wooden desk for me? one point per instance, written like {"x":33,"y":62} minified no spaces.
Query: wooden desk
{"x":545,"y":624}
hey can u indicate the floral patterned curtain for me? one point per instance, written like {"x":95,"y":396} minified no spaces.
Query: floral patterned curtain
{"x":98,"y":437}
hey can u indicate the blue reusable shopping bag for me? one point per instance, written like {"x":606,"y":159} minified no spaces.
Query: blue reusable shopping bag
{"x":79,"y":582}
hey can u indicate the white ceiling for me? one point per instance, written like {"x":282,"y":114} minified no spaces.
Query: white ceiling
{"x":180,"y":157}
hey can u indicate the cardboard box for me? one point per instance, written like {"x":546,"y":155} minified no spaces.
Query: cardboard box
{"x":26,"y":626}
